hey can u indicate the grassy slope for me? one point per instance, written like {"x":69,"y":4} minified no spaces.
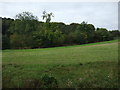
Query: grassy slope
{"x":90,"y":65}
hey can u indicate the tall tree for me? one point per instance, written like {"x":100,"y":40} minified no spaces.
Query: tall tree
{"x":47,"y":16}
{"x":22,"y":28}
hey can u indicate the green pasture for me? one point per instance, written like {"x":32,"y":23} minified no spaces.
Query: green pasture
{"x":81,"y":66}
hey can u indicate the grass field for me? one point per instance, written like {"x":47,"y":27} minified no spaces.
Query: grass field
{"x":81,"y":66}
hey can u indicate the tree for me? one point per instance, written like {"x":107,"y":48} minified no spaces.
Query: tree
{"x":47,"y":38}
{"x":90,"y":33}
{"x":87,"y":29}
{"x":102,"y":34}
{"x":6,"y":23}
{"x":27,"y":32}
{"x":81,"y":37}
{"x":17,"y":41}
{"x":70,"y":38}
{"x":83,"y":26}
{"x":5,"y":42}
{"x":26,"y":16}
{"x":47,"y":16}
{"x":21,"y":30}
{"x":73,"y":27}
{"x":115,"y":34}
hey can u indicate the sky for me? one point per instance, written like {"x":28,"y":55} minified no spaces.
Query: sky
{"x":100,"y":14}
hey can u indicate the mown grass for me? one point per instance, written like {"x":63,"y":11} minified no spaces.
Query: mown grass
{"x":81,"y":66}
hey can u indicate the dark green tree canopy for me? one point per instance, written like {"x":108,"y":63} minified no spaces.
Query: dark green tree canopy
{"x":27,"y":32}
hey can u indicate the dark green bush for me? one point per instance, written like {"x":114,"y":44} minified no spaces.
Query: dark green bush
{"x":49,"y":81}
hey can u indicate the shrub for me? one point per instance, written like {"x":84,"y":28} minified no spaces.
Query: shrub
{"x":49,"y":81}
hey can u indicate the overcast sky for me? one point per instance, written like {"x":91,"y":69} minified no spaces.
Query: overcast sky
{"x":100,"y":14}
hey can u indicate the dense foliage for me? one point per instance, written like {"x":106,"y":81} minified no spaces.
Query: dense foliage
{"x":27,"y":32}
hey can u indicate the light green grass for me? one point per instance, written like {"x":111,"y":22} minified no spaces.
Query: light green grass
{"x":90,"y":65}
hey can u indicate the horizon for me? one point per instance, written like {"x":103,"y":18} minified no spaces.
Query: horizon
{"x":90,"y":12}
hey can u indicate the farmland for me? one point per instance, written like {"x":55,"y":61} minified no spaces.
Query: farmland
{"x":82,"y":66}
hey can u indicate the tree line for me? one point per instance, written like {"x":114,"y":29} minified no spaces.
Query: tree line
{"x":26,"y":31}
